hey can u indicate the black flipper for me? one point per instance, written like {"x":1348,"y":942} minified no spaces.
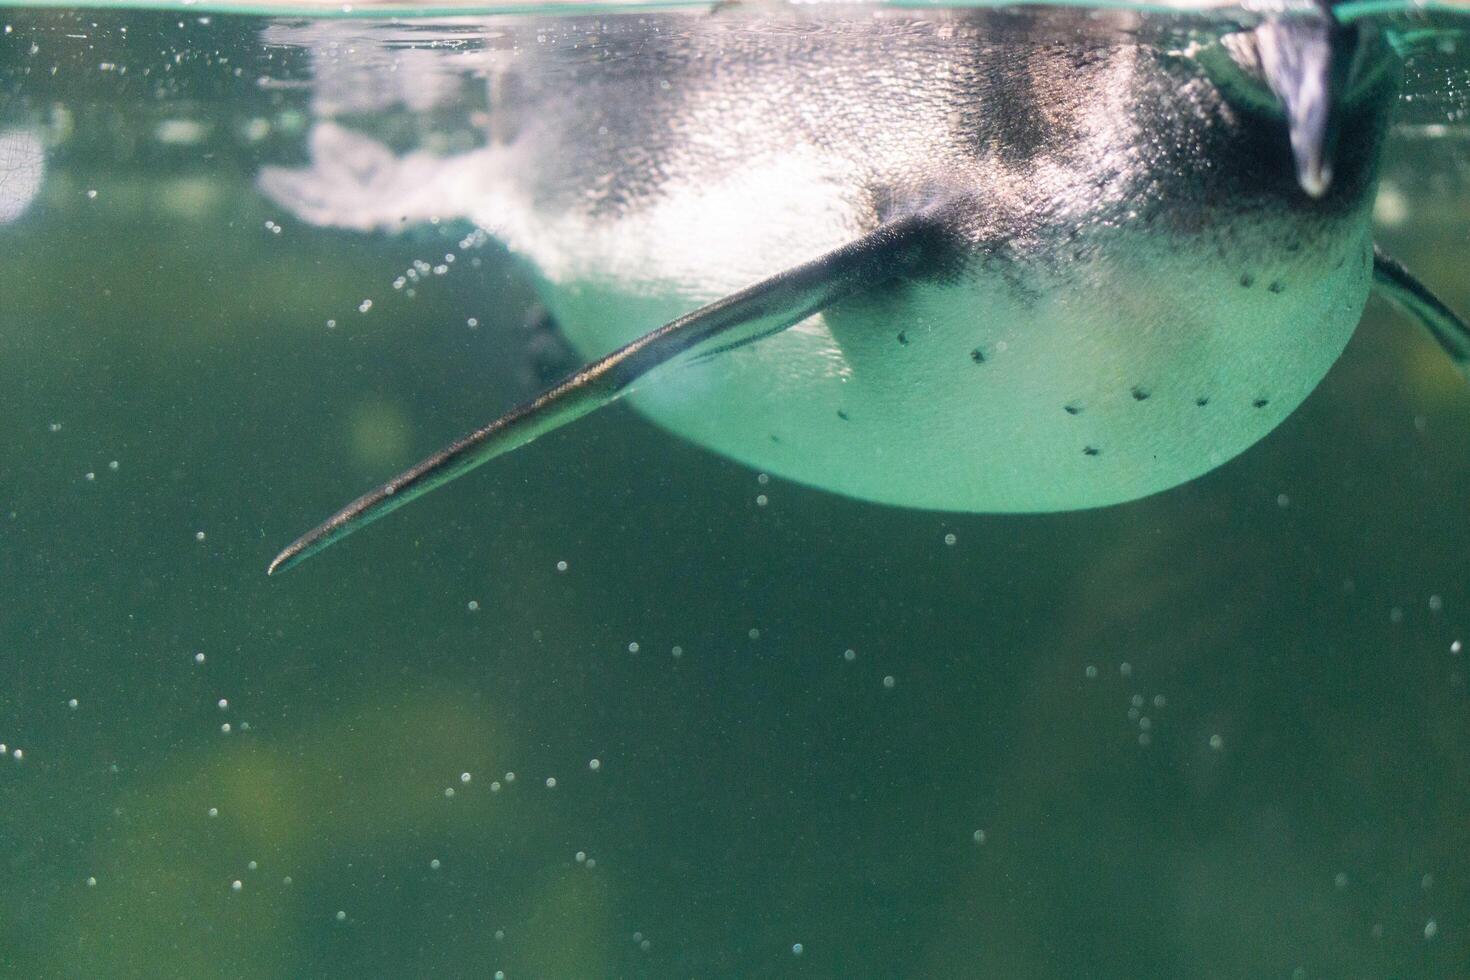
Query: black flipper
{"x":1398,"y":285}
{"x":768,"y":307}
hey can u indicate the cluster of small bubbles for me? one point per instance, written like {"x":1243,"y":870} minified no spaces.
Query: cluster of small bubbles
{"x":594,"y":764}
{"x":1340,"y":879}
{"x":888,"y":681}
{"x":113,"y":465}
{"x":849,"y":655}
{"x":561,"y":566}
{"x":1091,"y":672}
{"x":331,"y":324}
{"x":272,"y":227}
{"x":1436,"y":603}
{"x":198,"y":535}
{"x":364,"y":306}
{"x":763,"y":478}
{"x":1217,"y":742}
{"x":236,"y":885}
{"x":761,"y":500}
{"x":434,"y":864}
{"x":797,"y":949}
{"x":950,"y":539}
{"x":978,"y":836}
{"x":473,"y":605}
{"x":214,"y":811}
{"x":89,"y":476}
{"x":91,"y":882}
{"x":633,"y":647}
{"x":754,"y":634}
{"x":499,"y":935}
{"x":1160,"y":701}
{"x":465,"y":777}
{"x":551,"y":782}
{"x":54,"y":426}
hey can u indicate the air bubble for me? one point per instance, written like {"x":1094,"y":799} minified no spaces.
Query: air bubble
{"x":889,"y":681}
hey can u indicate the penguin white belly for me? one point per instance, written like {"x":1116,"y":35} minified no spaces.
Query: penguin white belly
{"x":1140,"y":366}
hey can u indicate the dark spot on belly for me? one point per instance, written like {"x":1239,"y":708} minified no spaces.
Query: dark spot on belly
{"x":903,"y":337}
{"x":1261,"y":402}
{"x":977,"y":355}
{"x":1091,"y":451}
{"x":1202,"y":400}
{"x":1072,"y":408}
{"x":1276,"y":286}
{"x":1140,"y":393}
{"x":843,"y":415}
{"x":1247,"y":280}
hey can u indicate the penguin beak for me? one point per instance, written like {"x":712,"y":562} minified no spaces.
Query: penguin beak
{"x":1307,"y":63}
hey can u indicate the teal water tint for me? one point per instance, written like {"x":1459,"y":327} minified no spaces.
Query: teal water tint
{"x":1220,"y":732}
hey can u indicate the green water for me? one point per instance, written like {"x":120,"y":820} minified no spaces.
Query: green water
{"x":1220,"y":732}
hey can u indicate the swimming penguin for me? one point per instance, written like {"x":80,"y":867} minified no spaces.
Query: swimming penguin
{"x":970,"y":260}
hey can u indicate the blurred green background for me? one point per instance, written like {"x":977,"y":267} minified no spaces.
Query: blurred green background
{"x":1221,"y":732}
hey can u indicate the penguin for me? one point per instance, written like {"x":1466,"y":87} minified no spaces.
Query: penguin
{"x":990,"y":261}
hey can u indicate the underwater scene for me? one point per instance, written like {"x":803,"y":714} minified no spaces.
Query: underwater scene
{"x":997,"y":507}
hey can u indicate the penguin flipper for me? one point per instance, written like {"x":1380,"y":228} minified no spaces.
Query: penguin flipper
{"x":1400,"y":287}
{"x":765,"y":308}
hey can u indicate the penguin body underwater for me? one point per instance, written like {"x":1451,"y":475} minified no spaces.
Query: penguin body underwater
{"x":983,"y":261}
